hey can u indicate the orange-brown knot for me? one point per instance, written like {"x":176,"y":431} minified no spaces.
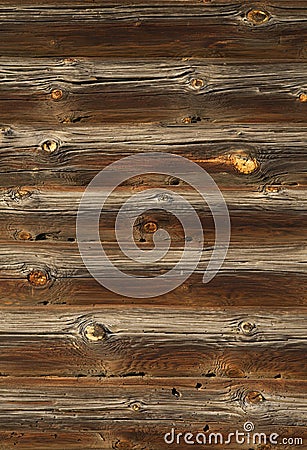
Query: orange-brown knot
{"x":272,"y":189}
{"x":50,"y":146}
{"x":247,"y":327}
{"x":257,"y":16}
{"x":24,"y":235}
{"x":56,"y":94}
{"x":150,"y":227}
{"x":95,"y":332}
{"x":303,"y":98}
{"x":197,"y":83}
{"x":243,"y":162}
{"x":254,"y":397}
{"x":38,"y":278}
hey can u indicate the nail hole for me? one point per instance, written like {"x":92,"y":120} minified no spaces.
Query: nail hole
{"x":174,"y":181}
{"x":176,"y":393}
{"x":71,"y":239}
{"x":41,"y":237}
{"x":210,"y":375}
{"x":198,"y":385}
{"x":206,"y":428}
{"x":278,"y":375}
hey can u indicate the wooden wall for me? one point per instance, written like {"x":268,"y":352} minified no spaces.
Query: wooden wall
{"x":83,"y":84}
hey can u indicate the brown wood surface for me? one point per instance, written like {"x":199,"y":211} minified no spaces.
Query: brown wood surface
{"x":218,"y":30}
{"x":83,"y":84}
{"x":150,"y":91}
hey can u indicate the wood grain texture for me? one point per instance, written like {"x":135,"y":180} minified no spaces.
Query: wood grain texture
{"x":204,"y":30}
{"x":242,"y":288}
{"x":152,"y":341}
{"x":84,"y":84}
{"x":18,"y":259}
{"x":65,"y":402}
{"x":166,"y":91}
{"x":81,"y":151}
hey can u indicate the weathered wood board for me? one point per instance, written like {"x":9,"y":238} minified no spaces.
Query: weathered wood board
{"x":84,"y":84}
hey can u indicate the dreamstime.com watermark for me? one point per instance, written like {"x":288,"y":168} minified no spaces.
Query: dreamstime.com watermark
{"x":100,"y":265}
{"x":247,"y":436}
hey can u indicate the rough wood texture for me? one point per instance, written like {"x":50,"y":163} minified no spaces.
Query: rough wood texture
{"x":168,"y":91}
{"x":83,"y":84}
{"x":219,"y":30}
{"x":240,"y":343}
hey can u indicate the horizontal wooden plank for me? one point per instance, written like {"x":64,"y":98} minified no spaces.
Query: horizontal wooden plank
{"x":261,"y":226}
{"x":53,"y":91}
{"x":77,"y":4}
{"x":236,"y":288}
{"x":72,"y":156}
{"x":27,"y":439}
{"x":154,"y":342}
{"x":137,"y":435}
{"x":86,"y":403}
{"x":28,"y":199}
{"x":18,"y":259}
{"x":206,"y":30}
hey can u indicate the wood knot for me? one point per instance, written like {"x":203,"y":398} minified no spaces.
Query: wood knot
{"x":19,"y":194}
{"x":254,"y":397}
{"x":243,"y":162}
{"x":57,"y":94}
{"x":272,"y":189}
{"x":135,"y":406}
{"x":38,"y":278}
{"x":23,"y":235}
{"x":50,"y":146}
{"x":247,"y":328}
{"x":95,"y":332}
{"x":235,"y":372}
{"x":197,"y":83}
{"x":191,"y":119}
{"x":150,"y":227}
{"x":7,"y":131}
{"x":303,"y":98}
{"x":257,"y":16}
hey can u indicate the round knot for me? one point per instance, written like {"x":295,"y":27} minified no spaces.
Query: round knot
{"x":38,"y":278}
{"x":56,"y":94}
{"x":257,"y":16}
{"x":247,"y":328}
{"x":95,"y":332}
{"x":150,"y":227}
